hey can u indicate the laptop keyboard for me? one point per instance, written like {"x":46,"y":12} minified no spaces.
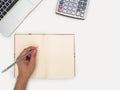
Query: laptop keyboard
{"x":5,"y":6}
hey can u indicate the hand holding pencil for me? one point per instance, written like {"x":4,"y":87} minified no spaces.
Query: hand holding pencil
{"x":25,"y":67}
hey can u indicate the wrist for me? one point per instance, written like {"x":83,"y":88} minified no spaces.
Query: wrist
{"x":21,"y":83}
{"x":22,"y":79}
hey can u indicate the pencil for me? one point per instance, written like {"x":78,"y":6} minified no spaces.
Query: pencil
{"x":18,"y":60}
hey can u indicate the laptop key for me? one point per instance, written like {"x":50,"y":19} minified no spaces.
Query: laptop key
{"x":11,"y":5}
{"x":4,"y":13}
{"x":1,"y":16}
{"x":1,"y":10}
{"x":2,"y":3}
{"x":0,"y":6}
{"x":5,"y":6}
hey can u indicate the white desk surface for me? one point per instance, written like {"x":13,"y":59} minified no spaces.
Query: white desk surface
{"x":97,"y":46}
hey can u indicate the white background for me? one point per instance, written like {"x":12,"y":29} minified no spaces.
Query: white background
{"x":97,"y":46}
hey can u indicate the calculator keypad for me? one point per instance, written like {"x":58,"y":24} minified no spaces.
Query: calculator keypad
{"x":73,"y":8}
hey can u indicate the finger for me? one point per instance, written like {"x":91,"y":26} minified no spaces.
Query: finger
{"x":33,"y":56}
{"x":27,"y":50}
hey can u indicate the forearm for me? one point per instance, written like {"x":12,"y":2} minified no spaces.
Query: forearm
{"x":21,"y":83}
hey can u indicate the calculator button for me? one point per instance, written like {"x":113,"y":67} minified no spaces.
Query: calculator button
{"x":85,"y":0}
{"x":60,"y":8}
{"x":73,"y":13}
{"x":64,"y":11}
{"x":69,"y":8}
{"x":66,"y":3}
{"x":65,"y":7}
{"x":66,"y":0}
{"x":82,"y":11}
{"x":78,"y":10}
{"x":78,"y":6}
{"x":82,"y":15}
{"x":84,"y":4}
{"x":75,"y":1}
{"x":74,"y":9}
{"x":74,"y":5}
{"x":70,"y":4}
{"x":80,"y":3}
{"x":69,"y":12}
{"x":83,"y":8}
{"x":61,"y":2}
{"x":78,"y":13}
{"x":71,"y":0}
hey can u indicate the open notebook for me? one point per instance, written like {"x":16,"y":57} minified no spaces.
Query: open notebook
{"x":55,"y":58}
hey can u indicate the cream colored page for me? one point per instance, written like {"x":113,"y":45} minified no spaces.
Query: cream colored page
{"x":60,"y":56}
{"x":23,"y":41}
{"x":55,"y":57}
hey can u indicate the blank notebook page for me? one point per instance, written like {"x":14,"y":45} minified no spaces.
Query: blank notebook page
{"x":55,"y":56}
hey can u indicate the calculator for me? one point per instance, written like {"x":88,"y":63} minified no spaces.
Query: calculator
{"x":72,"y":8}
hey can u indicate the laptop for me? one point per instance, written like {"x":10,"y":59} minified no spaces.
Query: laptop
{"x":13,"y":12}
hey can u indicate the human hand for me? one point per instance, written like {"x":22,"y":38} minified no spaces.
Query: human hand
{"x":27,"y":66}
